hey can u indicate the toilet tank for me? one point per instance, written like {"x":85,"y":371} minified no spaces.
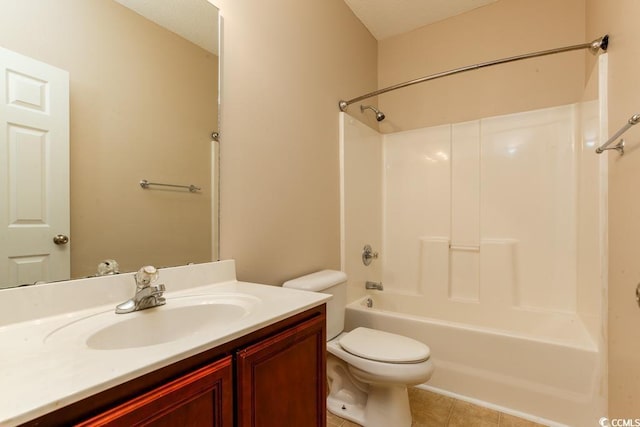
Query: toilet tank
{"x":327,"y":282}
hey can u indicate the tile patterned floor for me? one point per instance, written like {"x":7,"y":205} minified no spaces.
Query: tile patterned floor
{"x":435,"y":410}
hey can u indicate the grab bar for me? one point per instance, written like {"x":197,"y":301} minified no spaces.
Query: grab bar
{"x":192,"y":188}
{"x":619,"y":147}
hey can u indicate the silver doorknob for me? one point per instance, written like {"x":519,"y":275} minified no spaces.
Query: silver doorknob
{"x":60,"y":239}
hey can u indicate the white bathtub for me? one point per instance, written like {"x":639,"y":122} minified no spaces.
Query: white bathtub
{"x":551,"y":381}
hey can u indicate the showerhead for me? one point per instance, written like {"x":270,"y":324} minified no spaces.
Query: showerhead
{"x":379,"y":114}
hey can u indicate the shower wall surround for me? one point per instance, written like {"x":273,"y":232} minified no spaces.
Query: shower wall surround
{"x":502,"y":186}
{"x":478,"y":222}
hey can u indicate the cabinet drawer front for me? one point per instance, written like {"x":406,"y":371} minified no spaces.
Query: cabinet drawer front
{"x":203,"y":398}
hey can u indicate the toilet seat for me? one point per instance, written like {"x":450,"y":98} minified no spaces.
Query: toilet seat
{"x":372,"y":371}
{"x":383,"y":346}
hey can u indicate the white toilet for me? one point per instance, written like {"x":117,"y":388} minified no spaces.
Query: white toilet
{"x":368,"y":370}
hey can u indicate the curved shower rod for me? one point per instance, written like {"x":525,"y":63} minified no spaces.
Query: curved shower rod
{"x":594,"y":47}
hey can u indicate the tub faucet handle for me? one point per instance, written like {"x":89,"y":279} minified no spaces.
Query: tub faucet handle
{"x":368,"y":254}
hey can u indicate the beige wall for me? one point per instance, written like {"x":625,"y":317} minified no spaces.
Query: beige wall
{"x":286,"y":64}
{"x":500,"y":30}
{"x":620,"y":19}
{"x":142,"y":107}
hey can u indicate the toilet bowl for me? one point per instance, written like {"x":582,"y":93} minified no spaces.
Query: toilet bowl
{"x":368,"y":371}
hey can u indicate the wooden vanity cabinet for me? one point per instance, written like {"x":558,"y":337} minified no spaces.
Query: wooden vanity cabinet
{"x":272,"y":377}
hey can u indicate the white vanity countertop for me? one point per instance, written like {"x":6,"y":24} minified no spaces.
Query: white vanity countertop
{"x":41,"y":372}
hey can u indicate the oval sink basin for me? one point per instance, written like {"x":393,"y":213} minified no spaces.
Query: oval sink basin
{"x":180,"y":318}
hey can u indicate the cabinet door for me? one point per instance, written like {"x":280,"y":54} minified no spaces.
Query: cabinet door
{"x":201,"y":398}
{"x":281,"y":380}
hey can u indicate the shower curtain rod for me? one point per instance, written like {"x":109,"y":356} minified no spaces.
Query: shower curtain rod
{"x":594,"y":47}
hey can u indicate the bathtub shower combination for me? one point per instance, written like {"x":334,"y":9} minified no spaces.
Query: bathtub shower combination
{"x":492,"y":250}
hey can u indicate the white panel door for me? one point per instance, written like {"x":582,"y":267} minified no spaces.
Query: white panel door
{"x":34,"y":170}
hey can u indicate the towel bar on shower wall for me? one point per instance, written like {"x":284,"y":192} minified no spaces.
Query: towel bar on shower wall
{"x":619,"y":147}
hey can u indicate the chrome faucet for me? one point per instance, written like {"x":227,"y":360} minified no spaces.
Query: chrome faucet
{"x":146,"y":296}
{"x":373,"y":285}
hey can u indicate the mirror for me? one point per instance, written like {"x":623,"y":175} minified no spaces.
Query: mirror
{"x":143,"y":104}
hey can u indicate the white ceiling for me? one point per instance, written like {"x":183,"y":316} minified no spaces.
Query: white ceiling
{"x":386,"y":18}
{"x":194,"y":20}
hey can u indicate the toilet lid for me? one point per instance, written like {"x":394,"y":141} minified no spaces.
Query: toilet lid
{"x":384,"y":346}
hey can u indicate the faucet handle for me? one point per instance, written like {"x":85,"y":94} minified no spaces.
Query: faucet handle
{"x":368,"y":255}
{"x":146,"y":275}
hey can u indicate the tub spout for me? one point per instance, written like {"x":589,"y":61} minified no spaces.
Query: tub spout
{"x":373,"y":285}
